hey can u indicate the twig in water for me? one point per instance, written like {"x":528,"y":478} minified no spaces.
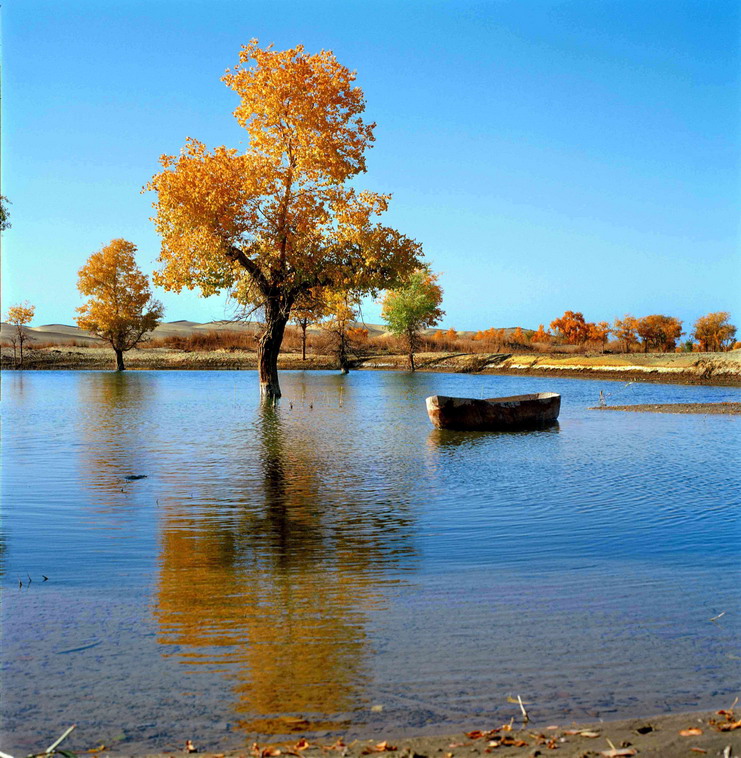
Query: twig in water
{"x":54,"y":745}
{"x":525,"y":717}
{"x":720,"y":615}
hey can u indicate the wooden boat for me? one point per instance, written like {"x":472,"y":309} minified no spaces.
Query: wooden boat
{"x":494,"y":413}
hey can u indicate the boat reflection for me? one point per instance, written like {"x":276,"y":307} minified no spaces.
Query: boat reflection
{"x":448,"y":438}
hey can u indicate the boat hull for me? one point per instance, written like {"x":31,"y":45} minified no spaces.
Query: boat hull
{"x":494,"y":414}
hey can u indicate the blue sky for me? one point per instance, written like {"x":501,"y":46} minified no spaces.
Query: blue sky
{"x":549,"y":155}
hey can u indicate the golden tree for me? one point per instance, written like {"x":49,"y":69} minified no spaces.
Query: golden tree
{"x":541,"y":335}
{"x":20,"y":315}
{"x":412,"y":307}
{"x":626,"y":330}
{"x":342,"y":310}
{"x":121,"y":309}
{"x":598,"y":332}
{"x":714,"y":332}
{"x":659,"y":332}
{"x":571,"y":327}
{"x":280,"y":215}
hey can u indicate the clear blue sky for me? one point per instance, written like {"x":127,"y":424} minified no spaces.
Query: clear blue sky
{"x":548,"y":154}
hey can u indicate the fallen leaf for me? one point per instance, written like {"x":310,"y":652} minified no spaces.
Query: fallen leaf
{"x":190,"y":747}
{"x":270,"y":752}
{"x":552,"y":727}
{"x":512,"y":742}
{"x":693,"y":731}
{"x":728,"y":726}
{"x":381,"y":747}
{"x":698,"y":750}
{"x":619,"y":752}
{"x":589,"y":734}
{"x":302,"y":744}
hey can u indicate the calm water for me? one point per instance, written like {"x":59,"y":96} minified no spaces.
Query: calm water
{"x":336,"y":566}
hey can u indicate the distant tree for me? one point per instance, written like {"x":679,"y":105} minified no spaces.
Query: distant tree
{"x":19,"y":316}
{"x":310,"y":308}
{"x":659,"y":332}
{"x":598,"y":333}
{"x":626,"y":331}
{"x":342,"y":311}
{"x":4,"y":213}
{"x":571,"y":328}
{"x":412,"y":307}
{"x":121,"y":309}
{"x":541,"y":335}
{"x":714,"y":332}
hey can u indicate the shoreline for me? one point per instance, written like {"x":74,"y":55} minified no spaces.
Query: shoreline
{"x":677,"y":735}
{"x":710,"y":369}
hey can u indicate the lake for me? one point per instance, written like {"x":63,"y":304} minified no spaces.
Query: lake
{"x":336,"y":566}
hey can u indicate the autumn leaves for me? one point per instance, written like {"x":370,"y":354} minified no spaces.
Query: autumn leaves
{"x":279,"y":223}
{"x":120,"y":308}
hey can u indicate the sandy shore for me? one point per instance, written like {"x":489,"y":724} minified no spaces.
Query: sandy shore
{"x":722,"y":369}
{"x":669,"y":736}
{"x":726,"y":409}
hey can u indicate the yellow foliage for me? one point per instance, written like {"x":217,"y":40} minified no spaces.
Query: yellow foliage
{"x":276,"y":221}
{"x":121,"y":309}
{"x":20,"y":315}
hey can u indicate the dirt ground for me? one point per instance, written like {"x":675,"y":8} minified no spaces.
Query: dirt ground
{"x":677,"y":368}
{"x":672,"y":736}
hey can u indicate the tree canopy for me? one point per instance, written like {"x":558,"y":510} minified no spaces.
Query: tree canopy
{"x":121,"y":309}
{"x":20,"y":315}
{"x":279,"y":219}
{"x":714,"y":332}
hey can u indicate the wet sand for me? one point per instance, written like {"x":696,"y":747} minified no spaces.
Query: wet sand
{"x":726,"y":409}
{"x":669,"y":736}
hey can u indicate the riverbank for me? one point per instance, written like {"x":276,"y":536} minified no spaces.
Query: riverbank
{"x":724,"y":409}
{"x":667,"y":736}
{"x":723,"y":369}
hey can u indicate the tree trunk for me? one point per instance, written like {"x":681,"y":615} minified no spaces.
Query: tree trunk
{"x":304,"y":324}
{"x":119,"y":360}
{"x":268,"y":348}
{"x":412,"y":342}
{"x":20,"y":346}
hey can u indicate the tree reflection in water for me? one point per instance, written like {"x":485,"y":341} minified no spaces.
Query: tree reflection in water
{"x":270,"y":575}
{"x":113,"y":428}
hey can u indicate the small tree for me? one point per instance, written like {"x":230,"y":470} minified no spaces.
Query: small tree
{"x":19,"y":316}
{"x":541,"y":335}
{"x":121,"y":309}
{"x":714,"y":332}
{"x":413,"y":307}
{"x":342,"y":311}
{"x":310,"y":308}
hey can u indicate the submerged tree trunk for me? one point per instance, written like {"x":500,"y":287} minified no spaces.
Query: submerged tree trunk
{"x":119,"y":360}
{"x":268,"y":348}
{"x":303,"y":323}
